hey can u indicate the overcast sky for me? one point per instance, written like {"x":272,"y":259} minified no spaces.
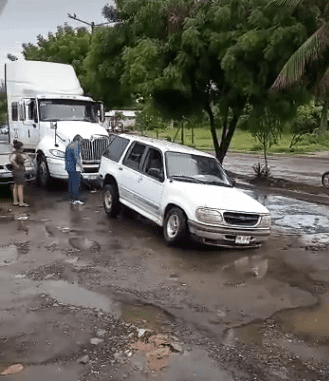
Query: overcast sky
{"x":22,"y":20}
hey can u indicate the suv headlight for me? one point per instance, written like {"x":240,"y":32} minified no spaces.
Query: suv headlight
{"x":57,"y":153}
{"x":208,"y":215}
{"x":265,"y":221}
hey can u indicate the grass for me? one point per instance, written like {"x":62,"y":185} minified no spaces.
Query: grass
{"x":242,"y":141}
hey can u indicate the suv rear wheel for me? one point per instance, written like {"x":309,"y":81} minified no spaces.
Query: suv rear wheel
{"x":175,"y":226}
{"x":111,"y":202}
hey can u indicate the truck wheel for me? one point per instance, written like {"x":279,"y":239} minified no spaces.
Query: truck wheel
{"x":111,"y":202}
{"x":175,"y":227}
{"x":43,"y":172}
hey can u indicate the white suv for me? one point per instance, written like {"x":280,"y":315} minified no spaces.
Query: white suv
{"x":181,"y":189}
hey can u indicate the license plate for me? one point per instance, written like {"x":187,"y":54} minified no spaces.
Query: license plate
{"x":242,"y":239}
{"x":92,"y":177}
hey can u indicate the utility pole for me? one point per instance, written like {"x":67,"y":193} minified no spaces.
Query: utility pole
{"x":92,"y":24}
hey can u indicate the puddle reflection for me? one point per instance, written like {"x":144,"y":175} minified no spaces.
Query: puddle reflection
{"x":72,"y":294}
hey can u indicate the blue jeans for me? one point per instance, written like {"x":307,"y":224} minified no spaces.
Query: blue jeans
{"x":74,"y":184}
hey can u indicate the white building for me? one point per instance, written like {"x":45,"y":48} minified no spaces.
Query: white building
{"x":120,"y":120}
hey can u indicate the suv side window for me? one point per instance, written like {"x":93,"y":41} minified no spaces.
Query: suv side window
{"x":116,"y":148}
{"x":134,"y":156}
{"x":154,"y":165}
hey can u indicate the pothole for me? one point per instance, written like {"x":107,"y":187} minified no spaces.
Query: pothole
{"x":8,"y":254}
{"x":72,"y":294}
{"x":84,"y":244}
{"x":144,"y":315}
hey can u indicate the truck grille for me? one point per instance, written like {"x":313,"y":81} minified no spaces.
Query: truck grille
{"x":92,"y":150}
{"x":236,"y":218}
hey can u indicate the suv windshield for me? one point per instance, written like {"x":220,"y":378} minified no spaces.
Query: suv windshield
{"x":68,"y":110}
{"x":195,"y":168}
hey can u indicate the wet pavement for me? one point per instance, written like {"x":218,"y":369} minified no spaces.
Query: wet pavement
{"x":307,"y":169}
{"x":90,"y":298}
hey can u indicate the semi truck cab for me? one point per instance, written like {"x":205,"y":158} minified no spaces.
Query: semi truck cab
{"x":46,"y":109}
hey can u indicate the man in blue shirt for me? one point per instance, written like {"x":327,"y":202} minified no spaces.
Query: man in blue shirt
{"x":73,"y":165}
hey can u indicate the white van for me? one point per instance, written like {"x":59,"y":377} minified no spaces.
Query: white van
{"x":46,"y":109}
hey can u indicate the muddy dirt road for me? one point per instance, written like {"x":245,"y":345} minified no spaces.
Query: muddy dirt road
{"x":83,"y":297}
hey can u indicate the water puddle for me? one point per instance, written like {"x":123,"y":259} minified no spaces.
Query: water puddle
{"x":53,"y":372}
{"x":246,"y":267}
{"x":74,"y":295}
{"x":247,"y":334}
{"x":147,"y":315}
{"x":82,"y":243}
{"x":195,"y":365}
{"x":295,"y":217}
{"x":307,"y":323}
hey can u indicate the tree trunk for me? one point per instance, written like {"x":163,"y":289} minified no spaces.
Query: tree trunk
{"x":227,"y":135}
{"x":212,"y":128}
{"x":324,"y":117}
{"x":265,"y":157}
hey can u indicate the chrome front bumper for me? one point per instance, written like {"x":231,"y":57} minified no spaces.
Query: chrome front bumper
{"x":57,"y":170}
{"x":226,"y":236}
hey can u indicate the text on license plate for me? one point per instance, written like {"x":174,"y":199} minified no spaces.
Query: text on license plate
{"x":242,"y":239}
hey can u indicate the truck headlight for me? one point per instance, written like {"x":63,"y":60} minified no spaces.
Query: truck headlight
{"x":208,"y":215}
{"x":265,"y":221}
{"x":57,"y":153}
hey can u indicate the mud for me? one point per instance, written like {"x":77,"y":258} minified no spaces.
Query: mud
{"x":84,"y":297}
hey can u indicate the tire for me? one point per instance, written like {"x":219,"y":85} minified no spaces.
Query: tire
{"x":325,"y":179}
{"x":111,"y":202}
{"x":175,"y":227}
{"x":43,"y":172}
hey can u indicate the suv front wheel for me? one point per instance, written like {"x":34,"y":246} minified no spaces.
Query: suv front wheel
{"x":111,"y":202}
{"x":175,"y":226}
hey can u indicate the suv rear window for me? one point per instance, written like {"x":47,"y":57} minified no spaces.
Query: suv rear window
{"x":134,"y":156}
{"x":116,"y":148}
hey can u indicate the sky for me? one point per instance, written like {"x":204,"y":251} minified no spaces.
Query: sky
{"x":21,"y":21}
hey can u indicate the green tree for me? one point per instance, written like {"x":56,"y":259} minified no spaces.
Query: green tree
{"x":66,"y":46}
{"x":225,"y":53}
{"x":266,"y":127}
{"x":306,"y":122}
{"x":104,"y":66}
{"x":309,"y":64}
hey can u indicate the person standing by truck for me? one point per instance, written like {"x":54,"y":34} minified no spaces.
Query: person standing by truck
{"x":73,"y":165}
{"x":17,"y":159}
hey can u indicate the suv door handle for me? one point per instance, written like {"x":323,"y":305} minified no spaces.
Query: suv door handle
{"x":140,"y":178}
{"x":120,"y":168}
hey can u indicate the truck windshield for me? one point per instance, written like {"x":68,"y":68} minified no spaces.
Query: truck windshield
{"x":52,"y":110}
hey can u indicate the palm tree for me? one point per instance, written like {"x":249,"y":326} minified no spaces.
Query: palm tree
{"x":310,"y":63}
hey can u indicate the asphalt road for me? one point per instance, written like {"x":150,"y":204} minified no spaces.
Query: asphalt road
{"x":307,"y":169}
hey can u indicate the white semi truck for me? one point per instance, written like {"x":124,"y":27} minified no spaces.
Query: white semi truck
{"x":46,"y":109}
